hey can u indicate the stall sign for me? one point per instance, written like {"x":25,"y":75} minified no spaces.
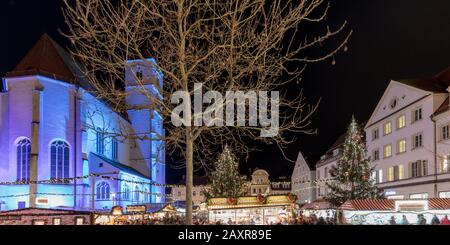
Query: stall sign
{"x":419,"y":205}
{"x":136,"y":209}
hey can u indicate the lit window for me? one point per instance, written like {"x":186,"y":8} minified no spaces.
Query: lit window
{"x":445,"y":133}
{"x":401,"y":122}
{"x":380,"y":176}
{"x":103,"y":191}
{"x":417,"y":141}
{"x":444,"y":164}
{"x":444,"y":194}
{"x":59,"y":160}
{"x":23,"y":159}
{"x":395,"y":173}
{"x":417,"y":114}
{"x":387,"y":151}
{"x":419,"y":196}
{"x":419,"y":168}
{"x":79,"y":221}
{"x":401,"y":146}
{"x":57,"y":221}
{"x":387,"y":128}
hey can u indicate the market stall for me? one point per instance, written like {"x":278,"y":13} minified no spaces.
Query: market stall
{"x":386,"y":211}
{"x":320,"y":208}
{"x":251,"y":210}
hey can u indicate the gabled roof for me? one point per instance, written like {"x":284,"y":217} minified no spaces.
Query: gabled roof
{"x":436,"y":84}
{"x":120,"y":166}
{"x":445,"y":106}
{"x":48,"y":58}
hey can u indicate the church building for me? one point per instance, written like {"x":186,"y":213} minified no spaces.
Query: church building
{"x":57,"y":140}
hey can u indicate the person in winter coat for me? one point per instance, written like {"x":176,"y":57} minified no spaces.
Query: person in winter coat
{"x":445,"y":220}
{"x":435,"y":220}
{"x":404,"y":220}
{"x":392,"y":221}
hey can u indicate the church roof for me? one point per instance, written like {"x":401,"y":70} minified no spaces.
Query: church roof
{"x":48,"y":58}
{"x":120,"y":166}
{"x":436,"y":84}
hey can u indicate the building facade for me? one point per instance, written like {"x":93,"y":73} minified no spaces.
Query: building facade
{"x":406,"y":138}
{"x":55,"y":132}
{"x":302,"y":181}
{"x":326,"y":163}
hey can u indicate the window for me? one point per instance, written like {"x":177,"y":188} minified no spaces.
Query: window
{"x":126,"y":192}
{"x":147,"y":195}
{"x":59,"y":160}
{"x":376,"y":155}
{"x":137,"y":194}
{"x":23,"y":159}
{"x":417,"y":141}
{"x":56,"y":221}
{"x":379,"y":176}
{"x":325,"y":173}
{"x":418,"y":169}
{"x":114,"y":149}
{"x":444,"y":164}
{"x":100,"y":141}
{"x":395,"y":173}
{"x":387,"y":151}
{"x":194,"y":193}
{"x":79,"y":221}
{"x":419,"y":196}
{"x":387,"y":128}
{"x":375,"y":134}
{"x":417,"y":114}
{"x":179,"y":193}
{"x":401,"y":122}
{"x":445,"y":133}
{"x":444,"y":194}
{"x":103,"y":191}
{"x":401,"y":146}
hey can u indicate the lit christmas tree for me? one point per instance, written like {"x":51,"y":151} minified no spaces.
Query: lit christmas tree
{"x":225,"y":179}
{"x":352,"y":174}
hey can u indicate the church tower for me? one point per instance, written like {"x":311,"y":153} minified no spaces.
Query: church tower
{"x":142,"y":79}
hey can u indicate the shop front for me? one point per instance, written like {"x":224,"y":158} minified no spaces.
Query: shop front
{"x":251,"y":210}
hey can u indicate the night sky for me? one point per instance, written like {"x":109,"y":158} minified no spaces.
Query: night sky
{"x":392,"y":40}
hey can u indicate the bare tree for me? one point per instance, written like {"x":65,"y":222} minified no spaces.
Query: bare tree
{"x":226,"y":45}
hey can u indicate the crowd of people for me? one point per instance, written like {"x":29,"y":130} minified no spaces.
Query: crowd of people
{"x":421,"y":220}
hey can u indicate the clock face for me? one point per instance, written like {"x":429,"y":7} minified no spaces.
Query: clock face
{"x":394,"y":102}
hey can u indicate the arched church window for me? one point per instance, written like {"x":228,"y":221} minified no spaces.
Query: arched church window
{"x":23,"y":159}
{"x":59,"y":159}
{"x":103,"y":191}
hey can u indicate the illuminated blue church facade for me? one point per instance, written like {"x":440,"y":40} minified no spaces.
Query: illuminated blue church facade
{"x":60,"y":145}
